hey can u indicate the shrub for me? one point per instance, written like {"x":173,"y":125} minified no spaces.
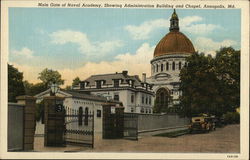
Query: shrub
{"x":232,"y":117}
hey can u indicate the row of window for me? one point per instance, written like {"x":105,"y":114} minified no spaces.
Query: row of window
{"x":85,"y":116}
{"x":116,"y":83}
{"x":175,"y":92}
{"x":146,"y":100}
{"x":82,"y":102}
{"x":142,"y":110}
{"x":146,"y":110}
{"x":168,"y":66}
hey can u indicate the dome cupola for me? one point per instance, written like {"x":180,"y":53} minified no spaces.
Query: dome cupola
{"x":174,"y":42}
{"x":174,"y":22}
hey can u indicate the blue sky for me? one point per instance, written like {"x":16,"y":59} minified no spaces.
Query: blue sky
{"x":81,"y":42}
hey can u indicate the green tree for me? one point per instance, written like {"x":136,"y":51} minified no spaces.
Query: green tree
{"x":210,"y":85}
{"x":76,"y":81}
{"x":15,"y":83}
{"x":33,"y":89}
{"x":48,"y":76}
{"x":68,"y":88}
{"x":198,"y":85}
{"x":227,"y":64}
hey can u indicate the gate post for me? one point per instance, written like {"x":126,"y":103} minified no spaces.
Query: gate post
{"x":119,"y":112}
{"x":54,"y":121}
{"x":113,"y":117}
{"x":29,"y":122}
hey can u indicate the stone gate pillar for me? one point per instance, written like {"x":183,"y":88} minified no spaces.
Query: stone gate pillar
{"x":54,"y":121}
{"x":119,"y":112}
{"x":29,"y":121}
{"x":113,"y":120}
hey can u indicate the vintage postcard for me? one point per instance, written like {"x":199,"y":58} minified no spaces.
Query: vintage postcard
{"x":124,"y":79}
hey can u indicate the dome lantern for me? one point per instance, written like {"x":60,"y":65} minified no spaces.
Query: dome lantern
{"x":174,"y":22}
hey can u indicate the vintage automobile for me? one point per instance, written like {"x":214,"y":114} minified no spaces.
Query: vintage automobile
{"x":202,"y":124}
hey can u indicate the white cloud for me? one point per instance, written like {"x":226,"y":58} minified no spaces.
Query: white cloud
{"x":30,"y":73}
{"x":208,"y":46}
{"x":201,"y":29}
{"x":189,"y":20}
{"x":136,"y":64}
{"x":85,"y":45}
{"x":144,"y":30}
{"x":26,"y":52}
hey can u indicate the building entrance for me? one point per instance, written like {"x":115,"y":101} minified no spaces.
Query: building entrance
{"x":162,"y":100}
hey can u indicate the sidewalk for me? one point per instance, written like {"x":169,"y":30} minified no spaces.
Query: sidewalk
{"x":39,"y":147}
{"x":161,"y":130}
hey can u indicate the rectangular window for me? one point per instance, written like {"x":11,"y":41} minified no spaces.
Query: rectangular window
{"x":116,"y":97}
{"x":132,"y":98}
{"x":142,"y":99}
{"x":98,"y":84}
{"x":116,"y":83}
{"x":99,"y":113}
{"x":146,"y":100}
{"x":142,"y":110}
{"x":82,"y":85}
{"x":149,"y":100}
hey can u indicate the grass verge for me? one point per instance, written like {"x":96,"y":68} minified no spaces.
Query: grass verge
{"x":173,"y":134}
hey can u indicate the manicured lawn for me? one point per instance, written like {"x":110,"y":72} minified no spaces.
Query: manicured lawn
{"x":173,"y":134}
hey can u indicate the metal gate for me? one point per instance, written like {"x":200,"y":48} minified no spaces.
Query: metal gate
{"x":130,"y":126}
{"x":79,"y":127}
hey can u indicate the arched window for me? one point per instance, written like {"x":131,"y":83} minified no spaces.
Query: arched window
{"x":80,"y":113}
{"x":116,"y":97}
{"x":156,"y":67}
{"x":173,"y":66}
{"x":161,"y":67}
{"x":167,"y":66}
{"x":179,"y":65}
{"x":86,"y":116}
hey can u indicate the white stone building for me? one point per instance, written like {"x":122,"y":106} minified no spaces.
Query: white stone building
{"x":169,"y":58}
{"x":73,"y":101}
{"x":136,"y":95}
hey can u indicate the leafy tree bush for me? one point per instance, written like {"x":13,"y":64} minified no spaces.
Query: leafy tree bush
{"x":232,"y":117}
{"x":211,"y":85}
{"x":15,"y":83}
{"x":48,"y":76}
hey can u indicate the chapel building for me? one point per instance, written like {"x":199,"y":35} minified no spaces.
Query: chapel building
{"x":169,"y":58}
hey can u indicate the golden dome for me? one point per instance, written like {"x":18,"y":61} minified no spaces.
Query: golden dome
{"x":173,"y":43}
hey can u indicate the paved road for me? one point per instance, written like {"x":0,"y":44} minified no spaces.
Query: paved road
{"x":223,"y":140}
